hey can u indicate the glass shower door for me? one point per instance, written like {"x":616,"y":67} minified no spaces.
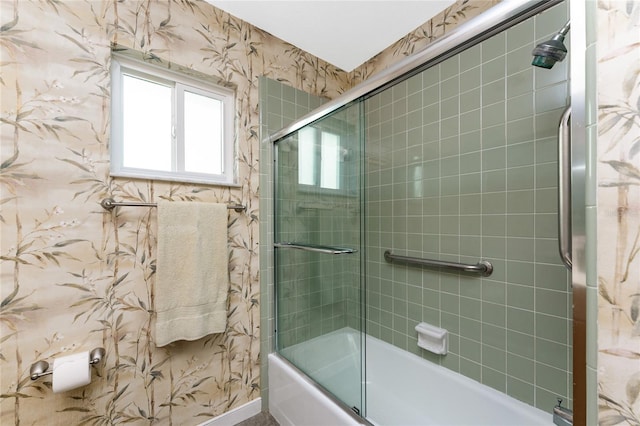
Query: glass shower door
{"x":462,"y":166}
{"x":317,"y":253}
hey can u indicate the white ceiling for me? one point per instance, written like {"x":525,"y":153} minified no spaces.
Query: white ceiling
{"x":343,"y":33}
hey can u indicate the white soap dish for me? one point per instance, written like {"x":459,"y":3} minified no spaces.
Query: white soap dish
{"x":432,"y":338}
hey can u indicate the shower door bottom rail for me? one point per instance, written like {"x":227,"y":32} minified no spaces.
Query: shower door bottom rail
{"x":315,"y":248}
{"x":483,"y":267}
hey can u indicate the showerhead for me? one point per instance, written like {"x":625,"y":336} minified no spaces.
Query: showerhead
{"x":547,"y":53}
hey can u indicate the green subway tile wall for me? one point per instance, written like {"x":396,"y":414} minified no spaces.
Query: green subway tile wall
{"x":279,"y":105}
{"x":461,"y":166}
{"x":319,"y":293}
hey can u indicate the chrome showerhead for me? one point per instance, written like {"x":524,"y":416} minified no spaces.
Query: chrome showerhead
{"x":547,"y":53}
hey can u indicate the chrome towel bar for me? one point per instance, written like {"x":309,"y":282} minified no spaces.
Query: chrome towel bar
{"x":316,"y":248}
{"x":483,"y":267}
{"x":110,"y":204}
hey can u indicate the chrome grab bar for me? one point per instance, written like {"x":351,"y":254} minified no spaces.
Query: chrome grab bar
{"x":483,"y":267}
{"x":564,"y":187}
{"x":316,"y":248}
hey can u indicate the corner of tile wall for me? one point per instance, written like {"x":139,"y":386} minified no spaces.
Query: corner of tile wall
{"x":279,"y":105}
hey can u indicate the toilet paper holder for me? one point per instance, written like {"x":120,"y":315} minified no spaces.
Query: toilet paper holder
{"x":41,"y":368}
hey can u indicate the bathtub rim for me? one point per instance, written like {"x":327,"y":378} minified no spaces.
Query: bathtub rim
{"x":308,"y":380}
{"x":529,"y":410}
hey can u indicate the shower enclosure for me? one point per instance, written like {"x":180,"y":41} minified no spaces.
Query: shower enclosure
{"x":448,"y":163}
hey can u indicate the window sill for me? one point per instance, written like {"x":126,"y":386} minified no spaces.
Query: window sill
{"x":176,"y":179}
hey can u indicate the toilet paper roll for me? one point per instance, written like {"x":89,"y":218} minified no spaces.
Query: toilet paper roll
{"x":70,"y":372}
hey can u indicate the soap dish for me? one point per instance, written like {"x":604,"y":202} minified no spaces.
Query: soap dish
{"x":432,"y":338}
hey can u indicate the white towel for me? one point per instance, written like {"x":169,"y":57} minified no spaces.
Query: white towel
{"x":192,"y":272}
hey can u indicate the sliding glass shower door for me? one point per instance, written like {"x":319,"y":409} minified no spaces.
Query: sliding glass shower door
{"x":462,"y":166}
{"x":455,"y":163}
{"x":318,"y":251}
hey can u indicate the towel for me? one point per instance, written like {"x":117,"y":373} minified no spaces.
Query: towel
{"x":192,"y":272}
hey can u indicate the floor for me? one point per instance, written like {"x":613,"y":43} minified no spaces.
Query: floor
{"x":261,"y":419}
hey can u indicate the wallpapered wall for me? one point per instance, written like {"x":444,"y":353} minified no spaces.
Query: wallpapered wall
{"x":618,"y":202}
{"x":441,"y":24}
{"x":76,"y":277}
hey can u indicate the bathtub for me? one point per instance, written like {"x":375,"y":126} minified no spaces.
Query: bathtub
{"x":401,"y":389}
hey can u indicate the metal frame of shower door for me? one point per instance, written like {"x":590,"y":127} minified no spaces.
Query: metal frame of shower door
{"x":357,"y":418}
{"x":578,"y":213}
{"x":500,"y":17}
{"x":362,"y":272}
{"x":495,"y":20}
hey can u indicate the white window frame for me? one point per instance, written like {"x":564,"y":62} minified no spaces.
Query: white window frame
{"x":122,"y":65}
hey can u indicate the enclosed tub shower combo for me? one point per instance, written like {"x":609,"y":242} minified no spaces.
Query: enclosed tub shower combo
{"x":423,"y":238}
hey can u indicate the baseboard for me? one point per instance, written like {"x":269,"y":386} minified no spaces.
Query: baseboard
{"x":236,"y":415}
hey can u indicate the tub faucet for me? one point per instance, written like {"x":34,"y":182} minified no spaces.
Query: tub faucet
{"x":562,"y":416}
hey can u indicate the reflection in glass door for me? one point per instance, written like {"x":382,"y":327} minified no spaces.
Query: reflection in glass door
{"x":318,"y":240}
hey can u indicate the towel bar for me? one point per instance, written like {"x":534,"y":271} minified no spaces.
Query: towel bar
{"x":110,"y":204}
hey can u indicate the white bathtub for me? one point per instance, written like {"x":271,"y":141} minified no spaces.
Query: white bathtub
{"x":401,"y":388}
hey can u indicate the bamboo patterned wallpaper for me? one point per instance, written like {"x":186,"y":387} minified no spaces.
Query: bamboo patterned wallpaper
{"x":441,"y":24}
{"x":76,"y":277}
{"x":619,"y":212}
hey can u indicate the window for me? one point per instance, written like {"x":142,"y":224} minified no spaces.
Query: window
{"x":169,"y":126}
{"x":320,"y":159}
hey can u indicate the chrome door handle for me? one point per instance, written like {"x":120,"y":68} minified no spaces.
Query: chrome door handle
{"x":315,"y":248}
{"x":564,"y":187}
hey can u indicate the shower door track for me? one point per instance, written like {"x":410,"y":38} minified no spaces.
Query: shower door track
{"x":495,"y":20}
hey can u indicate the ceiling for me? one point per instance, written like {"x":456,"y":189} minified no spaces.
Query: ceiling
{"x":343,"y":33}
